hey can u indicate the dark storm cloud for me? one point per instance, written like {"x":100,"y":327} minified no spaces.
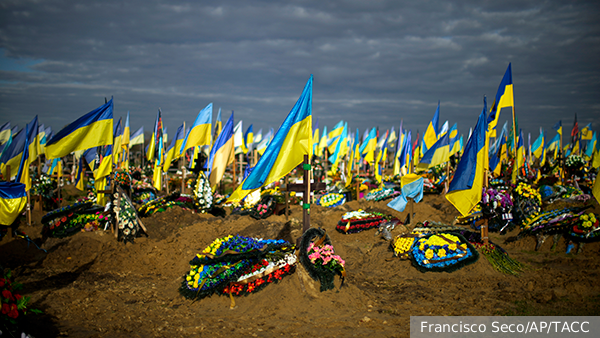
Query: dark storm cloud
{"x":374,"y":62}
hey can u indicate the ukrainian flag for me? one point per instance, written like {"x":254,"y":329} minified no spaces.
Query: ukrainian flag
{"x":499,"y":155}
{"x":399,"y":147}
{"x":340,"y":148}
{"x":558,"y":127}
{"x":466,"y":185}
{"x":218,"y":124}
{"x":333,"y":136}
{"x":238,"y":138}
{"x":91,"y":157}
{"x":200,"y":131}
{"x":154,"y":138}
{"x":172,"y":152}
{"x":91,"y":130}
{"x":79,"y":177}
{"x":519,"y":158}
{"x":221,"y":154}
{"x":367,"y":149}
{"x":126,"y":133}
{"x":504,"y":98}
{"x":431,"y":134}
{"x":354,"y":156}
{"x":11,"y":155}
{"x":137,"y":137}
{"x":30,"y":153}
{"x":264,"y":142}
{"x":287,"y":149}
{"x":438,"y":153}
{"x":5,"y":133}
{"x":316,"y":138}
{"x":589,"y":151}
{"x":249,"y":139}
{"x":118,"y":140}
{"x":406,"y":153}
{"x":105,"y":167}
{"x":586,"y":132}
{"x":380,"y":158}
{"x":537,"y":148}
{"x":13,"y":199}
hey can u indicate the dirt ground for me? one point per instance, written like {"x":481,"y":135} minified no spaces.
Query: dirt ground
{"x":90,"y":285}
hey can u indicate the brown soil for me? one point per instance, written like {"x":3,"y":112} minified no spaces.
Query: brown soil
{"x":90,"y":285}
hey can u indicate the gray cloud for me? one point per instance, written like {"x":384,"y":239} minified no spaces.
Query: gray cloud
{"x":374,"y":63}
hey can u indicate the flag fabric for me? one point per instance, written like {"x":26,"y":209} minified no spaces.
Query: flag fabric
{"x":333,"y":136}
{"x":379,"y":167}
{"x":29,"y":154}
{"x":137,"y":137}
{"x":430,"y":136}
{"x":596,"y":189}
{"x":368,"y":146}
{"x":586,"y":132}
{"x":454,"y":140}
{"x":322,"y":143}
{"x":13,"y":199}
{"x":151,"y":150}
{"x":91,"y":157}
{"x":172,"y":152}
{"x":118,"y":138}
{"x":406,"y":154}
{"x":519,"y":157}
{"x":466,"y":185}
{"x":200,"y":131}
{"x":287,"y":149}
{"x":79,"y":176}
{"x":443,"y":129}
{"x":504,"y":98}
{"x":264,"y":142}
{"x":353,"y":159}
{"x":558,"y":127}
{"x":238,"y":138}
{"x":537,"y":147}
{"x":221,"y":154}
{"x":91,"y":130}
{"x":589,"y":151}
{"x":126,"y":133}
{"x":218,"y":124}
{"x":498,"y":156}
{"x":5,"y":133}
{"x":249,"y":139}
{"x":158,"y":162}
{"x":412,"y":187}
{"x":340,"y":148}
{"x":575,"y":130}
{"x":438,"y":153}
{"x":105,"y":166}
{"x":258,"y":137}
{"x":315,"y":138}
{"x":399,"y":146}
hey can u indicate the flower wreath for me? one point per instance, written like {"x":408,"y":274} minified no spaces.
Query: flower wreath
{"x":127,"y":223}
{"x":143,"y":195}
{"x":79,"y":205}
{"x":319,"y":259}
{"x":402,"y":244}
{"x":227,"y":260}
{"x":13,"y":305}
{"x":158,"y":205}
{"x":586,"y":229}
{"x":527,"y":203}
{"x":331,"y":200}
{"x":264,"y":208}
{"x":551,"y":221}
{"x":443,"y":252}
{"x":357,"y":221}
{"x":70,"y":220}
{"x":203,"y":197}
{"x":381,"y":194}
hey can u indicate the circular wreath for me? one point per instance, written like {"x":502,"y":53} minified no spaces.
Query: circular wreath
{"x":264,"y":208}
{"x":442,"y":252}
{"x":381,"y":194}
{"x":331,"y":200}
{"x":317,"y":256}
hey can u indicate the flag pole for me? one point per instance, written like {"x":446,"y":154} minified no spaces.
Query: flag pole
{"x":306,"y":197}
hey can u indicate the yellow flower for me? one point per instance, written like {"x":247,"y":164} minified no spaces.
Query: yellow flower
{"x":441,"y":253}
{"x":585,"y":217}
{"x":429,"y":254}
{"x":452,"y":247}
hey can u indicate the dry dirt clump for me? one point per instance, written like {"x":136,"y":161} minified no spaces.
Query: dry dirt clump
{"x":90,"y":285}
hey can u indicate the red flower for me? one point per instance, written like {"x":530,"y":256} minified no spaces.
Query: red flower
{"x":14,"y":313}
{"x":18,"y":297}
{"x":8,"y":295}
{"x":5,"y":308}
{"x":1,"y":282}
{"x":64,"y":219}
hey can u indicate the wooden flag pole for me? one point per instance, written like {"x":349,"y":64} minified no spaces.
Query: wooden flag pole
{"x":357,"y":179}
{"x":234,"y":180}
{"x":287,"y":197}
{"x":306,"y":197}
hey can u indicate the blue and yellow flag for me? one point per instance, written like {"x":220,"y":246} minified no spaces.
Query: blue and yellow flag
{"x":368,"y":146}
{"x":118,"y":140}
{"x":137,"y":137}
{"x":353,"y":159}
{"x":431,"y":134}
{"x":172,"y":149}
{"x":498,"y":156}
{"x":218,"y":124}
{"x":537,"y":147}
{"x":454,"y":140}
{"x":379,"y":167}
{"x":586,"y":132}
{"x":249,"y":139}
{"x":467,"y":184}
{"x":151,"y":148}
{"x":11,"y":155}
{"x":30,"y":152}
{"x":91,"y":157}
{"x":105,"y":167}
{"x":79,"y":176}
{"x":287,"y":149}
{"x":264,"y":142}
{"x":406,"y":153}
{"x":340,"y":149}
{"x":591,"y":146}
{"x":519,"y":157}
{"x":504,"y":98}
{"x":558,"y":127}
{"x":5,"y":133}
{"x":126,"y":133}
{"x":399,"y":146}
{"x":91,"y":130}
{"x":322,"y":143}
{"x":221,"y":154}
{"x":200,"y":131}
{"x":438,"y":153}
{"x":13,"y":199}
{"x":334,"y":135}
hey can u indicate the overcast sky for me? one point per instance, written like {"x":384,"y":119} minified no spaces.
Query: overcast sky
{"x":374,"y":62}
